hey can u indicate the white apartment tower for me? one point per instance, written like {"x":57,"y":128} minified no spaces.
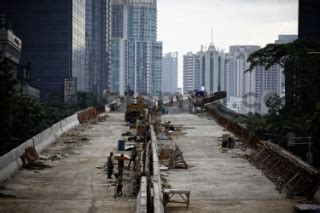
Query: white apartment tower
{"x":170,"y":73}
{"x":191,"y":72}
{"x":240,"y":83}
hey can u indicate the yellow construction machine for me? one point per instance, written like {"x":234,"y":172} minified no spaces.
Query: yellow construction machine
{"x":136,"y":110}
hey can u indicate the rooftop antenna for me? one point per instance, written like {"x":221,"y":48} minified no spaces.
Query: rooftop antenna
{"x":211,"y":35}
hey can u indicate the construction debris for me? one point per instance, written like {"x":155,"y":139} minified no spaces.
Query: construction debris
{"x":30,"y":155}
{"x":173,"y":158}
{"x":73,"y":136}
{"x":227,"y":141}
{"x":163,"y":136}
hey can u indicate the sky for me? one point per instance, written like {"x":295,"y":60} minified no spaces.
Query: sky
{"x":185,"y":25}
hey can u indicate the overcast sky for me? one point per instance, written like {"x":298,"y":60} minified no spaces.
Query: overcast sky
{"x":185,"y":25}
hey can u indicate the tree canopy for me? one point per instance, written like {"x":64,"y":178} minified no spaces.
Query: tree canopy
{"x":301,"y":62}
{"x":301,"y":113}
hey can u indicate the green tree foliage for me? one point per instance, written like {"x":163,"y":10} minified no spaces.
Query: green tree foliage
{"x":86,"y":99}
{"x":301,"y":113}
{"x":301,"y":69}
{"x":22,"y":117}
{"x":7,"y":93}
{"x":28,"y":118}
{"x":254,"y":122}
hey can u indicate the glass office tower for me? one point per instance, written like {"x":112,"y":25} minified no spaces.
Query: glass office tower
{"x":53,"y":38}
{"x":67,"y":43}
{"x":98,"y":45}
{"x":170,"y":72}
{"x":137,"y":55}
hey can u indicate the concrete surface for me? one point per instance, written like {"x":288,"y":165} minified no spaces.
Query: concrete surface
{"x":76,"y":182}
{"x":219,"y":181}
{"x":11,"y":162}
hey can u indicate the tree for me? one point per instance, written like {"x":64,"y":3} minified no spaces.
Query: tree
{"x":274,"y":104}
{"x":7,"y":92}
{"x":28,"y":118}
{"x":301,"y":112}
{"x":86,"y":99}
{"x":301,"y":71}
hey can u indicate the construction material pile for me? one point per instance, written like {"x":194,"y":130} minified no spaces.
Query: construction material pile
{"x":167,"y":131}
{"x":75,"y":135}
{"x":173,"y":158}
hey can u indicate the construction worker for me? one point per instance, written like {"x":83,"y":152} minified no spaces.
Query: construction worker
{"x":133,"y":158}
{"x":110,"y":165}
{"x":120,"y":165}
{"x":167,"y":125}
{"x":118,"y":188}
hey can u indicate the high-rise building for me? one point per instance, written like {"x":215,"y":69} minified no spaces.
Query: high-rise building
{"x":10,"y":50}
{"x":273,"y":78}
{"x":283,"y":39}
{"x":309,"y":19}
{"x":212,"y":68}
{"x":170,"y":73}
{"x":206,"y":69}
{"x":236,"y":67}
{"x":239,"y":82}
{"x":53,"y":34}
{"x":136,"y":53}
{"x":98,"y":45}
{"x":55,"y":40}
{"x":286,"y":38}
{"x":191,"y":72}
{"x":252,"y":86}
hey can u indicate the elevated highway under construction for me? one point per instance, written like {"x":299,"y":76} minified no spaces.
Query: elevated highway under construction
{"x":182,"y":166}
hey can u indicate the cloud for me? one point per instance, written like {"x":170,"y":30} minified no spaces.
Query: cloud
{"x":183,"y":25}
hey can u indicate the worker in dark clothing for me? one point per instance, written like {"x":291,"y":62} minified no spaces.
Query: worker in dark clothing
{"x":118,"y":188}
{"x":110,"y":165}
{"x":121,"y":165}
{"x":133,"y":158}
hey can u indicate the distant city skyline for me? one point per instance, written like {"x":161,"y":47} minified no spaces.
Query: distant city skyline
{"x":184,"y":26}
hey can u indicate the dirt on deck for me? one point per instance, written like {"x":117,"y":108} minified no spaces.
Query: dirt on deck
{"x":220,"y":179}
{"x":77,"y":180}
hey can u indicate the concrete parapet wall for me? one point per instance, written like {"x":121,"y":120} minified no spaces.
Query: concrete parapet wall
{"x":43,"y":139}
{"x":226,"y":119}
{"x":142,"y":196}
{"x":157,"y":188}
{"x":11,"y":162}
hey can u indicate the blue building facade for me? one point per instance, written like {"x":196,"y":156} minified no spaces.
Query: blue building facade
{"x":56,"y":35}
{"x":98,"y":45}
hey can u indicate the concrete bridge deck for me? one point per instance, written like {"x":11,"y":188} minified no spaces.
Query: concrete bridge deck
{"x":75,"y":183}
{"x":219,"y":181}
